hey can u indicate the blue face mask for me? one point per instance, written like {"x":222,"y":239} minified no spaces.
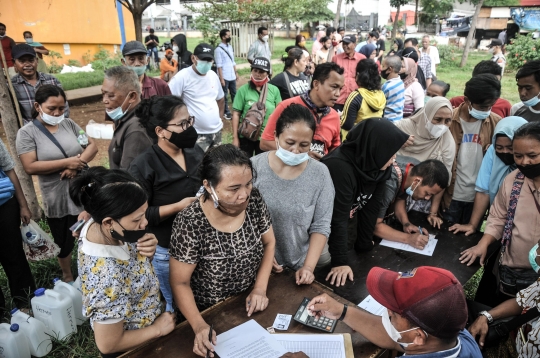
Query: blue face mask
{"x":480,"y":115}
{"x":139,"y":70}
{"x":290,"y":158}
{"x":118,"y":113}
{"x":409,"y":191}
{"x":532,"y":102}
{"x":203,"y":67}
{"x":532,"y":258}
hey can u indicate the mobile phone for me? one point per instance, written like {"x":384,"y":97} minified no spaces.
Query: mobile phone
{"x":77,"y":226}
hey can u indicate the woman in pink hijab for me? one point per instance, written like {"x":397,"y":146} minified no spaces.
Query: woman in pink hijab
{"x":317,"y":43}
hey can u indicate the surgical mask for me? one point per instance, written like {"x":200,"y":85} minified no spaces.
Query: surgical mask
{"x":436,"y":130}
{"x":51,"y":120}
{"x":532,"y":258}
{"x":480,"y":115}
{"x":203,"y":67}
{"x":29,"y":40}
{"x":532,"y":102}
{"x":290,"y":158}
{"x":118,"y":113}
{"x":139,"y":70}
{"x":426,"y":99}
{"x":131,"y":236}
{"x":302,"y":43}
{"x":506,"y":158}
{"x":175,"y":48}
{"x":335,"y":43}
{"x":185,"y":139}
{"x":410,"y":191}
{"x":259,"y":83}
{"x":530,"y":171}
{"x":491,"y":50}
{"x":265,"y":38}
{"x":394,"y":334}
{"x":228,"y":208}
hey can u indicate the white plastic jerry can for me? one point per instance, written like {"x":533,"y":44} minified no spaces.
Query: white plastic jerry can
{"x":37,"y":334}
{"x":13,"y":343}
{"x":75,"y":295}
{"x":55,"y":311}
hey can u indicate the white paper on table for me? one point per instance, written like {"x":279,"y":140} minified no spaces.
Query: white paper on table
{"x":314,"y":345}
{"x":428,"y":249}
{"x":248,"y":340}
{"x":372,"y":306}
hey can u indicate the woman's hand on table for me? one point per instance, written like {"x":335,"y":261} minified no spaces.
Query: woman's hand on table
{"x":469,"y":256}
{"x":435,"y":221}
{"x":326,"y":306}
{"x":276,"y":268}
{"x":146,"y":245}
{"x":304,"y":276}
{"x":338,"y":275}
{"x":479,"y":330}
{"x":256,"y":301}
{"x":202,"y":344}
{"x":468,"y":229}
{"x":294,"y":355}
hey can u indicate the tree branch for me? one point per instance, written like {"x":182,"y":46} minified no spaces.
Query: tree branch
{"x":126,"y":4}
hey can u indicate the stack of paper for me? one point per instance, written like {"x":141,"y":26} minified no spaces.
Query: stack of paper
{"x":428,"y":249}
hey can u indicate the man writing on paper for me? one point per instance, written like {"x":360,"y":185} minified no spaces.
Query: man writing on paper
{"x":425,"y":317}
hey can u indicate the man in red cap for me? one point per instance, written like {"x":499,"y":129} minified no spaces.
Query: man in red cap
{"x":425,"y":317}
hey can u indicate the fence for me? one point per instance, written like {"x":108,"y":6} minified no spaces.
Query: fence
{"x":243,"y":35}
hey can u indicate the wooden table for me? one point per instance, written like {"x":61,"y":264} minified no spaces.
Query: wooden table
{"x":285,"y":297}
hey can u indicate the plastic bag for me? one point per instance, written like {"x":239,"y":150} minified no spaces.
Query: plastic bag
{"x":37,"y":249}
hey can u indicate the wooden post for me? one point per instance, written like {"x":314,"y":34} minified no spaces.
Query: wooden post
{"x":470,"y":35}
{"x":13,"y":95}
{"x":9,"y":120}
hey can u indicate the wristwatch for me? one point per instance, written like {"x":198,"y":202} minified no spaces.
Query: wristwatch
{"x":487,"y":315}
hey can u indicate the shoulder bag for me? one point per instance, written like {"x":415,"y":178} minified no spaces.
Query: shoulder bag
{"x":254,"y":118}
{"x":288,"y":83}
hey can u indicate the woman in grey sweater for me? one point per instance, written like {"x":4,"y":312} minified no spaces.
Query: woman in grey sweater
{"x":299,"y":193}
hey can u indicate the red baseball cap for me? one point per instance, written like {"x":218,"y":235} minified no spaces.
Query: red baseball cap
{"x":430,"y":297}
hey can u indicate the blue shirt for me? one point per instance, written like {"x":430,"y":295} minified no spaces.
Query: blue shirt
{"x":394,"y":91}
{"x":465,"y":348}
{"x":224,"y":56}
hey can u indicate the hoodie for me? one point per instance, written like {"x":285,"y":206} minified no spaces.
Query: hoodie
{"x":361,"y":104}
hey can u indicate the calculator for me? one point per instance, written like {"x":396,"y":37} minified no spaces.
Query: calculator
{"x":323,"y":323}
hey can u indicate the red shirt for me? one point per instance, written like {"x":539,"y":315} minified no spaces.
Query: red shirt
{"x":501,"y":107}
{"x":7,"y":44}
{"x":327,"y":135}
{"x":349,"y":65}
{"x":154,"y":87}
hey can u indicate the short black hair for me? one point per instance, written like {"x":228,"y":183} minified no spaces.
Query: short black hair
{"x":294,"y":113}
{"x":341,"y":28}
{"x":445,"y":86}
{"x":413,"y":41}
{"x":330,"y":30}
{"x":374,"y":34}
{"x":2,"y":24}
{"x":482,"y":88}
{"x":223,"y":32}
{"x":487,"y":66}
{"x":43,"y":93}
{"x":324,"y":39}
{"x":530,"y":68}
{"x":367,"y":75}
{"x":151,"y":31}
{"x":432,"y":171}
{"x":531,"y":129}
{"x":261,"y":29}
{"x":394,"y":62}
{"x":27,"y":32}
{"x":322,"y":71}
{"x":157,"y":111}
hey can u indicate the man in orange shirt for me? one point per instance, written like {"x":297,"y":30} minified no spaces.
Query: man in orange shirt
{"x":348,"y":60}
{"x":169,"y":66}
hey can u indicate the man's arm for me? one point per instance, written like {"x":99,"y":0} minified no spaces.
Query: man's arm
{"x":221,"y":106}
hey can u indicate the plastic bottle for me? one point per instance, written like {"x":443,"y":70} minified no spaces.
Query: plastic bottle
{"x":76,"y":297}
{"x":13,"y":343}
{"x":33,"y":238}
{"x":82,"y":139}
{"x":55,"y":311}
{"x":38,"y":336}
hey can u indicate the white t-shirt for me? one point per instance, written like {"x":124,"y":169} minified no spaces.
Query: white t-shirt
{"x":469,"y":160}
{"x":433,"y":53}
{"x":200,"y":94}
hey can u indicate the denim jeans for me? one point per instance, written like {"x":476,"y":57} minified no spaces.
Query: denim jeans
{"x":231,"y":87}
{"x":161,"y":267}
{"x":156,"y":57}
{"x":459,"y":212}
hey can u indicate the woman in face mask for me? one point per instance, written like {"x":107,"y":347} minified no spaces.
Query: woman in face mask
{"x":40,"y":51}
{"x":317,"y":44}
{"x":514,"y":218}
{"x":286,"y":176}
{"x":322,"y":54}
{"x":168,"y":172}
{"x":246,"y":96}
{"x":432,"y":140}
{"x":496,"y":165}
{"x":296,"y":83}
{"x":414,"y":93}
{"x":120,"y":289}
{"x":222,"y":244}
{"x":49,"y":148}
{"x":336,"y":48}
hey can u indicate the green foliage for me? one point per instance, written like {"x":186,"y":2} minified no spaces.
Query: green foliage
{"x":396,"y":3}
{"x":87,"y":57}
{"x":433,"y":8}
{"x":103,"y":59}
{"x":74,"y":63}
{"x":447,"y":55}
{"x":522,"y":49}
{"x":71,"y":81}
{"x":494,"y":3}
{"x":54,"y":66}
{"x":209,"y":29}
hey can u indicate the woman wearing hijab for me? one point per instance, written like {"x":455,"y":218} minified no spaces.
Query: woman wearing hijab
{"x":496,"y":165}
{"x":369,"y":50}
{"x":432,"y":140}
{"x":397,"y":48}
{"x":414,"y":93}
{"x":180,"y":47}
{"x":359,"y":169}
{"x":317,"y":44}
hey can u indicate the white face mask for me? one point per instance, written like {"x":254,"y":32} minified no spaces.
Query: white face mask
{"x":394,"y":334}
{"x":175,"y":48}
{"x":491,"y":50}
{"x":265,"y":38}
{"x":436,"y":130}
{"x":51,"y":120}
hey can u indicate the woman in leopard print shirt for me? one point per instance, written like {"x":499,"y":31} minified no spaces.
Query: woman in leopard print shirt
{"x":221,"y":244}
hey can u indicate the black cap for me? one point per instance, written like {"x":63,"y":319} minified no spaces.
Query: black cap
{"x":495,"y":43}
{"x":349,"y":38}
{"x":20,"y":50}
{"x":132,"y":47}
{"x":262,"y":63}
{"x":204,"y":52}
{"x":411,"y":53}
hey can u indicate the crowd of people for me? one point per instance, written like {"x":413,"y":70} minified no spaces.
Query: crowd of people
{"x":334,"y":155}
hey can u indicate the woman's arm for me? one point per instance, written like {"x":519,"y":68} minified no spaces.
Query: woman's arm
{"x":19,"y":194}
{"x":433,"y":216}
{"x":235,"y":124}
{"x":316,"y":246}
{"x":90,"y":151}
{"x":33,"y":166}
{"x":481,"y":204}
{"x":479,"y":250}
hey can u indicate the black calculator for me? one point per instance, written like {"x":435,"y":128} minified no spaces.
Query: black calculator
{"x":324,"y":324}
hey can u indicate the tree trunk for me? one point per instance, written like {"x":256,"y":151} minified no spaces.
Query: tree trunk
{"x":396,"y":19}
{"x":470,"y":36}
{"x":416,"y":14}
{"x":288,"y":27}
{"x":338,"y":13}
{"x":11,"y":126}
{"x":137,"y":21}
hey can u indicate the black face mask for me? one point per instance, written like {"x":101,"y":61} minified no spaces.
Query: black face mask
{"x":185,"y":139}
{"x":530,"y":171}
{"x":403,"y":75}
{"x":131,"y":236}
{"x":385,"y":74}
{"x":506,"y":158}
{"x":228,"y":39}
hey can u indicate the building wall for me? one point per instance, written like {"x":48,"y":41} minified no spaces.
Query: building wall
{"x":81,"y":24}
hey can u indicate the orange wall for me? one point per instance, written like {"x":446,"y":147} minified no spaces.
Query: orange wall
{"x":83,"y":24}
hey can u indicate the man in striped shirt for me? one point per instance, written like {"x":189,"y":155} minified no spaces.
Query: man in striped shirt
{"x":393,"y":88}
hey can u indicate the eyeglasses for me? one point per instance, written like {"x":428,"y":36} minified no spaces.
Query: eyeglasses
{"x":184,"y":123}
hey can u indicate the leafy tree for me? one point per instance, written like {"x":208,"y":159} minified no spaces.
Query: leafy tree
{"x":397,"y":4}
{"x":472,"y":29}
{"x":209,"y":30}
{"x":137,"y":7}
{"x":338,"y":11}
{"x":434,"y":8}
